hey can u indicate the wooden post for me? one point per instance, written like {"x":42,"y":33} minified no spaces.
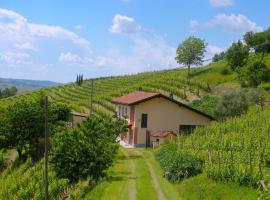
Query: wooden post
{"x":46,"y":149}
{"x":91,"y":96}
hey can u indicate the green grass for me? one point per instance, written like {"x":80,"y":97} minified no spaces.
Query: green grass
{"x":117,"y":186}
{"x":202,"y":188}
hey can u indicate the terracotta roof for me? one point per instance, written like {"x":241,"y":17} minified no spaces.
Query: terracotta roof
{"x":141,"y":96}
{"x":135,"y":97}
{"x":161,"y":133}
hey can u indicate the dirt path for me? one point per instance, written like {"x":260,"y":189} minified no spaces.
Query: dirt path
{"x":159,"y":192}
{"x":132,"y":184}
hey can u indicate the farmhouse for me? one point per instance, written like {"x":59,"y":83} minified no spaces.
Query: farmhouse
{"x":154,"y":118}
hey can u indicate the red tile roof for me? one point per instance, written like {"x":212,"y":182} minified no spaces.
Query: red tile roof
{"x":135,"y":97}
{"x":141,"y":96}
{"x":162,"y":134}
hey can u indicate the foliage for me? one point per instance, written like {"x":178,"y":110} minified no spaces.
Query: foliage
{"x":237,"y":55}
{"x":219,"y":56}
{"x":88,"y":150}
{"x":265,"y":86}
{"x":7,"y":92}
{"x":176,"y":164}
{"x":22,"y":125}
{"x":191,"y":52}
{"x":27,"y":182}
{"x":225,"y":71}
{"x":79,"y":79}
{"x":235,"y":150}
{"x":231,"y":105}
{"x":206,"y":104}
{"x":259,"y":42}
{"x":254,"y":74}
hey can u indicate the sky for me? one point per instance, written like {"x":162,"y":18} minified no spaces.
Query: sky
{"x":58,"y":39}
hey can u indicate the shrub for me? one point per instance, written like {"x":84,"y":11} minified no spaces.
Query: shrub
{"x":178,"y":165}
{"x":265,"y":86}
{"x":225,"y":71}
{"x":206,"y":104}
{"x":254,"y":74}
{"x":88,"y":150}
{"x":231,"y":105}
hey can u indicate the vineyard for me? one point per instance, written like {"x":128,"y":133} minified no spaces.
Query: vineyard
{"x":166,"y":82}
{"x":226,"y":158}
{"x":236,"y":150}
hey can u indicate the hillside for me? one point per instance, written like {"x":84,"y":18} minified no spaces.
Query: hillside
{"x":25,"y":85}
{"x":208,"y":80}
{"x":204,"y":81}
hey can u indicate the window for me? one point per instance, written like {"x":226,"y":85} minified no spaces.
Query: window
{"x":186,"y":129}
{"x":144,"y":121}
{"x":125,"y":111}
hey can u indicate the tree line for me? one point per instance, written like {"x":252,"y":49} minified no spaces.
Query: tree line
{"x":7,"y":92}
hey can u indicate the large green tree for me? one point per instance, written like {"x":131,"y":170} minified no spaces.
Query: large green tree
{"x":259,"y":42}
{"x":22,"y":125}
{"x":237,"y":55}
{"x":88,"y":150}
{"x":191,"y":52}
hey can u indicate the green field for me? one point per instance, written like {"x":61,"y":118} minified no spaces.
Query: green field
{"x":137,"y":175}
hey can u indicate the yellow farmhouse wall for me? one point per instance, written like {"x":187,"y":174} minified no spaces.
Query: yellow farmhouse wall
{"x":165,"y":115}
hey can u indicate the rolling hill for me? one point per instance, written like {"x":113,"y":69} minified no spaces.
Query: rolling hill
{"x":25,"y":85}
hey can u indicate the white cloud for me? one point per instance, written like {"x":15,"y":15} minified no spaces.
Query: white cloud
{"x":26,"y":46}
{"x":14,"y":58}
{"x":69,"y":57}
{"x":124,"y":24}
{"x":145,"y":55}
{"x":238,"y":24}
{"x":18,"y":28}
{"x":221,"y":3}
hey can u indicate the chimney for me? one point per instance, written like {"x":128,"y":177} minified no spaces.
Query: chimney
{"x":171,"y":95}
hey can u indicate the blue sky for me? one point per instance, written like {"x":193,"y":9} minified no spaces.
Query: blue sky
{"x":55,"y":40}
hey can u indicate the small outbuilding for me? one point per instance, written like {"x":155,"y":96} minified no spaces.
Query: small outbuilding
{"x":155,"y":117}
{"x":159,"y":137}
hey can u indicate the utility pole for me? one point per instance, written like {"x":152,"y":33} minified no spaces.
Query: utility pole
{"x":91,"y":96}
{"x":46,"y":149}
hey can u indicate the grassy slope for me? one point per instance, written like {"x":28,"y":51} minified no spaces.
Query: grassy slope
{"x":162,"y":81}
{"x":117,"y":187}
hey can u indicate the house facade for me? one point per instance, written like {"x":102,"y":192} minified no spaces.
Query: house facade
{"x":149,"y":114}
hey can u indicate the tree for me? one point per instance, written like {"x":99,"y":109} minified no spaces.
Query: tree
{"x":254,"y":74}
{"x":191,"y":52}
{"x":259,"y":42}
{"x":22,"y":125}
{"x":219,"y":56}
{"x":88,"y":150}
{"x":231,"y":105}
{"x":237,"y":55}
{"x":7,"y":92}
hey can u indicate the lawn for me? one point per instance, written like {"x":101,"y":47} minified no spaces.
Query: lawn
{"x":137,"y":175}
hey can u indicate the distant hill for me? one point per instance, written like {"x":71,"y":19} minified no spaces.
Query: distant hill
{"x":26,"y":85}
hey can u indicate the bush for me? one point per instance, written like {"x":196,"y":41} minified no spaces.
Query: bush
{"x":225,"y":71}
{"x":206,"y":104}
{"x":231,"y":105}
{"x":265,"y":86}
{"x":88,"y":150}
{"x":254,"y":74}
{"x":178,"y":165}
